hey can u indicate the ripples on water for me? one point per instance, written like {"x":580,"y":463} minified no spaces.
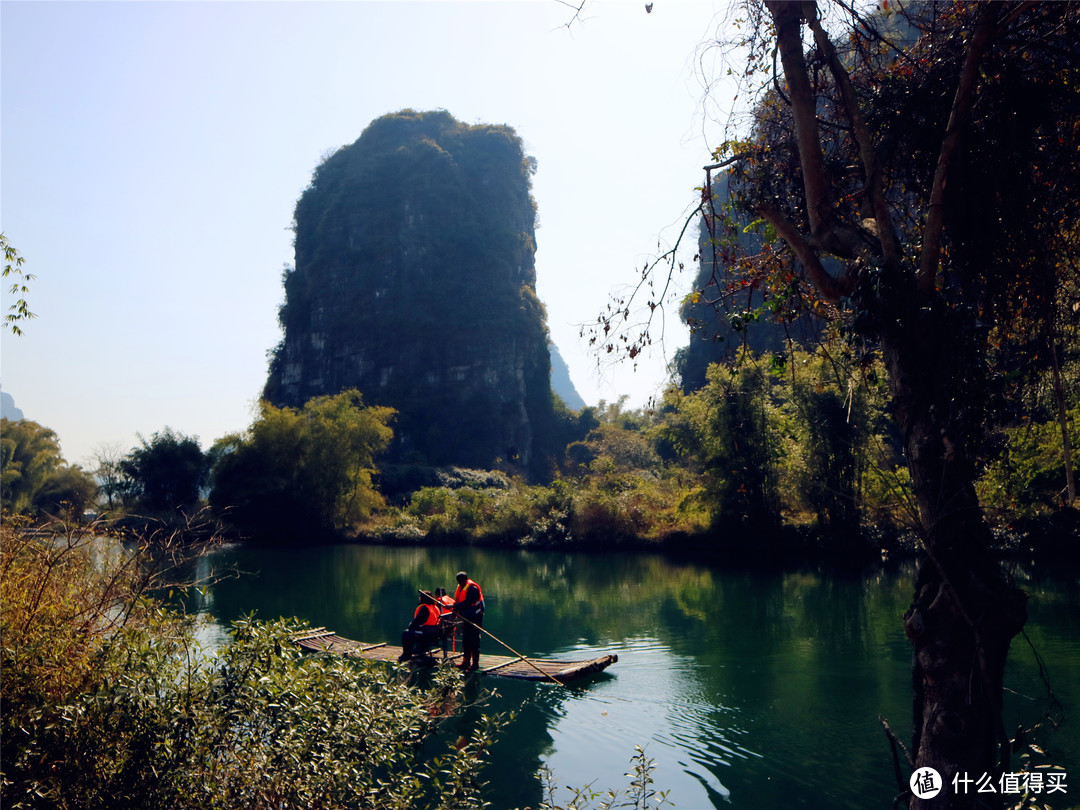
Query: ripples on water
{"x":653,"y":699}
{"x":712,"y":749}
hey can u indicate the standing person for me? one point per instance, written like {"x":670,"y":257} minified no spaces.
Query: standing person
{"x":469,"y":604}
{"x":423,"y":630}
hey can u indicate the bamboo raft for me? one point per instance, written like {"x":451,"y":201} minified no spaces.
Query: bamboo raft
{"x":320,"y":639}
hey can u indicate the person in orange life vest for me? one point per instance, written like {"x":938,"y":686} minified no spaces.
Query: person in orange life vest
{"x":447,"y":626}
{"x":469,"y":604}
{"x":446,"y":603}
{"x":423,"y":630}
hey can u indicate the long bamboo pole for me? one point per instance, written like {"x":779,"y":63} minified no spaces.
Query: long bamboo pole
{"x":511,"y":649}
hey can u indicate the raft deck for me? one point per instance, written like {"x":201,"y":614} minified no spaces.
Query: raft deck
{"x":531,"y":669}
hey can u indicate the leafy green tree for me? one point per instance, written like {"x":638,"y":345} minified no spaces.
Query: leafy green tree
{"x":731,"y":431}
{"x":837,"y":429}
{"x":911,"y":175}
{"x":34,"y":477}
{"x":68,"y":489}
{"x":1040,"y":361}
{"x":301,"y":473}
{"x":166,"y":472}
{"x":30,"y":454}
{"x":614,"y":448}
{"x":1027,"y":477}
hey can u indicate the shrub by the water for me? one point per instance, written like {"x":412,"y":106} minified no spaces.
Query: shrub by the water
{"x":109,"y":701}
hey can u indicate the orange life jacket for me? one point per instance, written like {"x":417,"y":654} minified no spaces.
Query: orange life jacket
{"x":433,"y":613}
{"x":446,"y":604}
{"x":459,"y":597}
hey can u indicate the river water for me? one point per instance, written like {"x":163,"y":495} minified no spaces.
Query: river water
{"x":747,"y":688}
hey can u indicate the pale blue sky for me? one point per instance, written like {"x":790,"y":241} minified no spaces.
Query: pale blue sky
{"x":152,"y":153}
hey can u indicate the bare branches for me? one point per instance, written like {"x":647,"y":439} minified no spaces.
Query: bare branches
{"x":832,"y":289}
{"x":614,"y":327}
{"x":721,"y":165}
{"x":962,"y":101}
{"x":885,"y":232}
{"x":575,"y":8}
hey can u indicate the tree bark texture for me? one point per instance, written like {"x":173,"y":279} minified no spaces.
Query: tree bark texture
{"x":964,"y":614}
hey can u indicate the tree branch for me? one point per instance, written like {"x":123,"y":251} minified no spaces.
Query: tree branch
{"x":958,"y":115}
{"x":885,"y":232}
{"x":832,"y":289}
{"x":787,"y":18}
{"x":834,"y":237}
{"x":576,"y":9}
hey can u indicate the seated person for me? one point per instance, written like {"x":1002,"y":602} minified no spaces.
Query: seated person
{"x":423,"y":630}
{"x":446,"y":603}
{"x":449,"y":620}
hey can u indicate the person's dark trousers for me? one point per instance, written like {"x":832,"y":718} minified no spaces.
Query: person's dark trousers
{"x":470,"y":642}
{"x":421,"y":639}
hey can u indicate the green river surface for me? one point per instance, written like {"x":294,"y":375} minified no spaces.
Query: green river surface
{"x":748,"y":688}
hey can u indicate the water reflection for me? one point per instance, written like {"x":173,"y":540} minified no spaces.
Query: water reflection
{"x":748,"y":688}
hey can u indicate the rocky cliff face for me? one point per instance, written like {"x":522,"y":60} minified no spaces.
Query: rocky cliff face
{"x":414,"y":282}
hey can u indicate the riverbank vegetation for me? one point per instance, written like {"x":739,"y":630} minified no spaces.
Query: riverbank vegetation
{"x":110,"y":700}
{"x":113,"y":696}
{"x":305,"y":471}
{"x":782,"y":453}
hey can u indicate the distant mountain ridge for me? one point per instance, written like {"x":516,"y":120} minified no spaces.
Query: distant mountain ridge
{"x":561,"y":383}
{"x":8,"y":409}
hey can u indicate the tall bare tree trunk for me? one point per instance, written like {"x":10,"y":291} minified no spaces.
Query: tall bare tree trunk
{"x":964,"y":614}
